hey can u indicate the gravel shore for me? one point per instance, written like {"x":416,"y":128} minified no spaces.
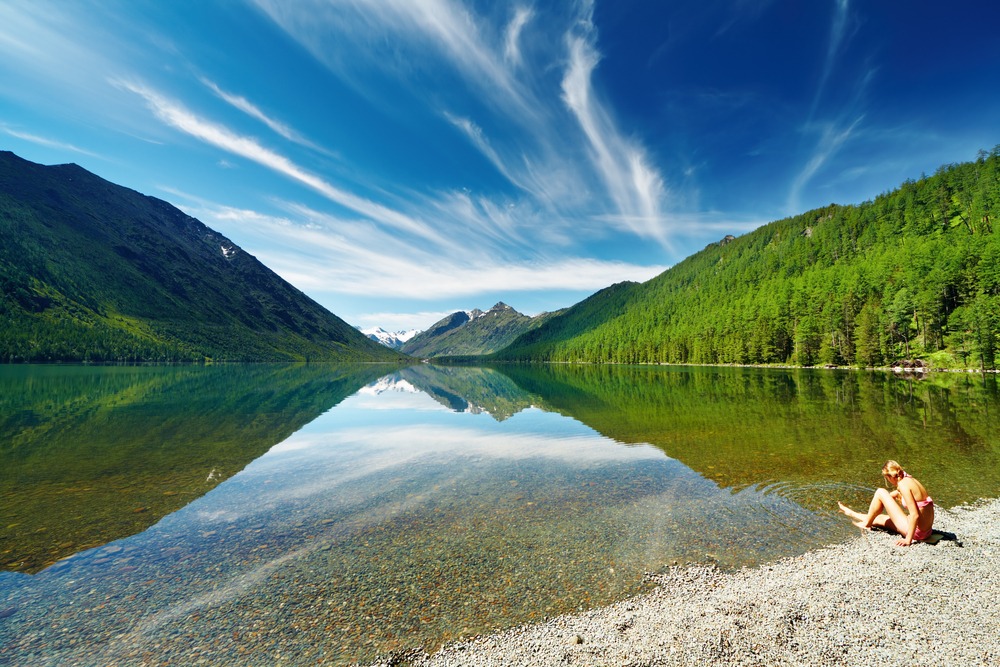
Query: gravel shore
{"x":866,"y":602}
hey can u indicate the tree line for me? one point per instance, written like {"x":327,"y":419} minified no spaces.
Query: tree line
{"x":913,"y":274}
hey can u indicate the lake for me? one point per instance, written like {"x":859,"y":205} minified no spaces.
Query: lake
{"x":309,"y":514}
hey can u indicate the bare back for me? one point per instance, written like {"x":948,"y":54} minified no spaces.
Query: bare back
{"x":913,"y":486}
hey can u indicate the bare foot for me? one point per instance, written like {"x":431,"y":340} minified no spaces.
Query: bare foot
{"x":851,"y":513}
{"x":860,"y":523}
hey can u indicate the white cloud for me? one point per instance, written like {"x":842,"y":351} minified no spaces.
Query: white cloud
{"x":838,"y":31}
{"x":512,"y":47}
{"x":252,"y":110}
{"x":366,"y":273}
{"x":177,"y":116}
{"x":321,"y":254}
{"x":48,"y":143}
{"x":597,"y":173}
{"x":633,"y":184}
{"x":478,"y":139}
{"x":393,"y":321}
{"x":48,"y":59}
{"x":832,"y":138}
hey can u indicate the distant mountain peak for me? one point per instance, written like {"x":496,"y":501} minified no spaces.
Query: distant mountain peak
{"x":391,"y":339}
{"x":472,"y":332}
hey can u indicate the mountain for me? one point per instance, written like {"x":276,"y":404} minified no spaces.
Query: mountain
{"x":589,"y":313}
{"x":472,"y":333}
{"x":910,"y":278}
{"x":391,"y":339}
{"x":92,"y":271}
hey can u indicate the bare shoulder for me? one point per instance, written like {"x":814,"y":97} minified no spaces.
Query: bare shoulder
{"x":915,"y":488}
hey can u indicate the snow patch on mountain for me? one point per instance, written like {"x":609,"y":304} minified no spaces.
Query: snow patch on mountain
{"x":393,"y":339}
{"x":475,"y":313}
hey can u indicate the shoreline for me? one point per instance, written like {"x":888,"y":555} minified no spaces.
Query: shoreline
{"x":898,"y":370}
{"x":865,"y":601}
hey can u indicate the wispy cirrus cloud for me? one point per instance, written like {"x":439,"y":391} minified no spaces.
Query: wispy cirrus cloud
{"x":512,"y":35}
{"x":341,"y":35}
{"x":596,"y":171}
{"x":47,"y":142}
{"x":832,"y":138}
{"x":845,"y":112}
{"x":397,"y":277}
{"x":249,"y":108}
{"x":838,"y":34}
{"x":414,"y":273}
{"x":478,"y":138}
{"x":446,"y":223}
{"x":633,"y":184}
{"x":177,"y":116}
{"x":370,"y":261}
{"x":47,"y":55}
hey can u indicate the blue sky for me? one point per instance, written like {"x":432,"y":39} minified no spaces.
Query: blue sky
{"x":398,"y":160}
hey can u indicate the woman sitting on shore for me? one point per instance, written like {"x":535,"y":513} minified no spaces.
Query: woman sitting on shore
{"x":912,"y":525}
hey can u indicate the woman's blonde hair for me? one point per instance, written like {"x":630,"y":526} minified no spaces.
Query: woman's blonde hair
{"x":892,"y":469}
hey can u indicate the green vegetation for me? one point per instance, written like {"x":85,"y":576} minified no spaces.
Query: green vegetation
{"x":91,"y":454}
{"x":914,"y":274}
{"x":596,"y":309}
{"x":821,"y":435}
{"x":92,"y":271}
{"x":482,"y":333}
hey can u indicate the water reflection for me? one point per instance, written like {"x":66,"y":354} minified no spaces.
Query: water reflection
{"x":92,"y":454}
{"x":805,"y":432}
{"x":440,"y":501}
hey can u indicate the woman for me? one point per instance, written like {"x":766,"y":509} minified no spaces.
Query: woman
{"x":912,"y":525}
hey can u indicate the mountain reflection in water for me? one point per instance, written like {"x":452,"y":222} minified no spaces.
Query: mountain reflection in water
{"x":441,"y":501}
{"x":90,"y":454}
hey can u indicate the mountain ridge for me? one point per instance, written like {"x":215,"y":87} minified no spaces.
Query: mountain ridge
{"x":473,"y":332}
{"x":94,"y":271}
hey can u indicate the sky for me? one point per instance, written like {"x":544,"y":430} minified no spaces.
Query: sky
{"x":399,"y":160}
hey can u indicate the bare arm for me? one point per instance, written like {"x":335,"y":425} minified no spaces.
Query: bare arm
{"x":913,"y":514}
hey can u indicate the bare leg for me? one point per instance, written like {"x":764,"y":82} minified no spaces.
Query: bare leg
{"x":882,"y":500}
{"x":856,"y":516}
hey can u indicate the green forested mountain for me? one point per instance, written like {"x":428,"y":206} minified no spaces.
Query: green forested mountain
{"x":472,"y":333}
{"x":914,"y":274}
{"x":92,"y":271}
{"x":596,"y":309}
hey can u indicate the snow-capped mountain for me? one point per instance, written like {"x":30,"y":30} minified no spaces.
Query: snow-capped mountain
{"x":393,"y":339}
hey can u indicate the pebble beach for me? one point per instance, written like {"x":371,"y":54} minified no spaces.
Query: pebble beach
{"x":863,"y":602}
